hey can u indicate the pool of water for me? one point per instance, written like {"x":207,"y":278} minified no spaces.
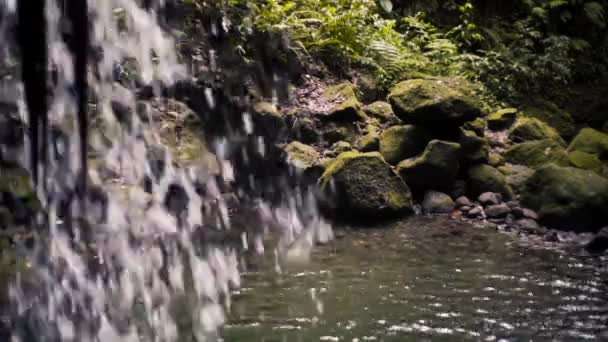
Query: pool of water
{"x":425,"y":279}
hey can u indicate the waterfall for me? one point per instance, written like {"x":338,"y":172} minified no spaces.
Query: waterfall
{"x":122,"y":264}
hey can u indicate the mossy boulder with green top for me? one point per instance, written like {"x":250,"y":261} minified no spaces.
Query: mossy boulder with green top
{"x":568,"y":198}
{"x":586,"y":161}
{"x":369,"y":142}
{"x":301,"y":156}
{"x":474,"y":147}
{"x":435,"y":169}
{"x":485,"y":178}
{"x":435,"y":103}
{"x":382,"y":111}
{"x":366,"y":186}
{"x":346,"y":105}
{"x":526,"y":129}
{"x":478,"y":126}
{"x":401,"y":142}
{"x":502,"y":119}
{"x":537,"y":153}
{"x":554,"y":116}
{"x":591,"y":141}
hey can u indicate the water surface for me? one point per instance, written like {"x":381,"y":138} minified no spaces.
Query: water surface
{"x":425,"y":280}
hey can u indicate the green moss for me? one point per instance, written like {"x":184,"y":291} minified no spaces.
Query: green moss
{"x":442,"y":102}
{"x":526,"y":129}
{"x":366,"y":186}
{"x":380,"y":110}
{"x":485,"y":178}
{"x":474,"y":148}
{"x":496,"y":159}
{"x":591,"y":141}
{"x":436,"y":168}
{"x":478,"y":126}
{"x":555,"y":117}
{"x":505,"y":170}
{"x":340,"y":147}
{"x":301,"y":156}
{"x":348,"y":107}
{"x":586,"y":161}
{"x":369,"y":142}
{"x":568,"y":198}
{"x":502,"y":119}
{"x":537,"y":153}
{"x":400,"y":142}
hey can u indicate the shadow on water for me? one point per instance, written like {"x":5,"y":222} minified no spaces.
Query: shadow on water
{"x":420,"y":280}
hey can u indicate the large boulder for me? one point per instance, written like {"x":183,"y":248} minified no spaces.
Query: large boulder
{"x":436,"y":168}
{"x":435,"y":103}
{"x":366,"y":186}
{"x":401,"y":142}
{"x":555,"y":117}
{"x":591,"y":141}
{"x":344,"y":103}
{"x":568,"y":198}
{"x":537,"y":153}
{"x":586,"y":161}
{"x":485,"y":178}
{"x":526,"y":129}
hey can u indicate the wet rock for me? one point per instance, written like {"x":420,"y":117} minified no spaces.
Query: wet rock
{"x":268,"y":121}
{"x":347,"y":107}
{"x":476,"y":212}
{"x":484,"y":178}
{"x":497,"y":210}
{"x":437,"y":203}
{"x":537,"y":153}
{"x":366,"y":186}
{"x":401,"y":142}
{"x":490,"y":198}
{"x":474,"y":148}
{"x":527,"y":224}
{"x":463,"y":201}
{"x":527,"y":129}
{"x":502,"y":119}
{"x":599,"y":243}
{"x":436,"y":168}
{"x":437,"y":104}
{"x":301,"y":156}
{"x":568,"y":198}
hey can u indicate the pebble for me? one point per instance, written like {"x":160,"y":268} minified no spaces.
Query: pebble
{"x":498,"y":210}
{"x":476,"y":212}
{"x":530,"y":226}
{"x":465,"y":208}
{"x":490,"y":198}
{"x":529,"y":213}
{"x":513,"y":204}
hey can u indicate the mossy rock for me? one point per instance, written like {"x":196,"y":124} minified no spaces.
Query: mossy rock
{"x":568,"y":198}
{"x":555,"y":117}
{"x":382,"y":111}
{"x":401,"y":142}
{"x":496,"y":159}
{"x":333,"y":132}
{"x":340,"y":147}
{"x":526,"y":129}
{"x":591,"y":141}
{"x":370,"y":142}
{"x":485,"y":178}
{"x":268,"y":120}
{"x":437,"y":104}
{"x":347,"y":107}
{"x":586,"y":161}
{"x":502,"y":119}
{"x":17,"y":181}
{"x":366,"y":186}
{"x":537,"y":153}
{"x":435,"y":169}
{"x":301,"y":156}
{"x":478,"y":126}
{"x":474,"y":148}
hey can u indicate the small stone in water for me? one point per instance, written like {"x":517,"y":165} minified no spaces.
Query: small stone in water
{"x":489,"y":198}
{"x":497,"y":210}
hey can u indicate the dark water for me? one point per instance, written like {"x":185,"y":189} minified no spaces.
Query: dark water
{"x":425,"y":280}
